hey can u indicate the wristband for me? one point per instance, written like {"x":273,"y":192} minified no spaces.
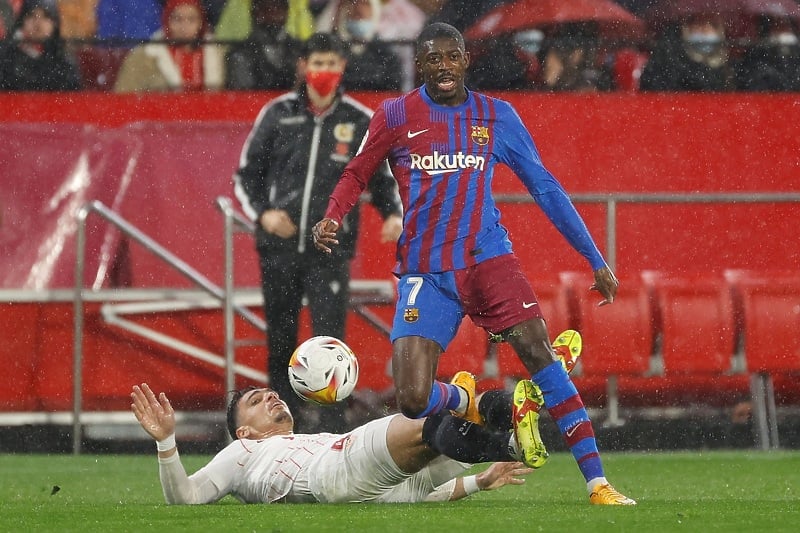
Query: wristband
{"x":470,"y":485}
{"x":166,"y":444}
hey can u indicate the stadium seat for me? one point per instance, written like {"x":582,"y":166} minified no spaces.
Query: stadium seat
{"x":770,"y":310}
{"x":695,"y":321}
{"x":770,"y":315}
{"x":618,"y":339}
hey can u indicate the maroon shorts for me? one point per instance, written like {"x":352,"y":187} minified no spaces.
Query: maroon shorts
{"x":496,"y":294}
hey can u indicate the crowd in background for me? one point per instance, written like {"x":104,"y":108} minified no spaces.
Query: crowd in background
{"x":193,"y":45}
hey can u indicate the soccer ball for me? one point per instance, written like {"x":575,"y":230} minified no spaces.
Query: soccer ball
{"x":323,"y":370}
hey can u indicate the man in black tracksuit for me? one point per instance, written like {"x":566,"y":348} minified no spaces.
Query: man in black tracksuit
{"x":290,"y":164}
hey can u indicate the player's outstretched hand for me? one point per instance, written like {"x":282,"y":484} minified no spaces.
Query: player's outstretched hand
{"x":155,"y":414}
{"x":606,"y":283}
{"x":501,"y":474}
{"x":324,"y":233}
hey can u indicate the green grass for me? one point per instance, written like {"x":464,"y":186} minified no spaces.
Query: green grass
{"x":687,"y":491}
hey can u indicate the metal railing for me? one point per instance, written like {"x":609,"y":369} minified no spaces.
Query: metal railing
{"x":613,"y":200}
{"x":225,"y":295}
{"x":365,"y":293}
{"x":235,"y":222}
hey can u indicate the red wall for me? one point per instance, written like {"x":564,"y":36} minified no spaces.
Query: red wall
{"x":190,"y":146}
{"x":183,"y":150}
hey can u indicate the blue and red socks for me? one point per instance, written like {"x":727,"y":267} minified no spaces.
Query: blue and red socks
{"x":562,"y":401}
{"x":444,"y":396}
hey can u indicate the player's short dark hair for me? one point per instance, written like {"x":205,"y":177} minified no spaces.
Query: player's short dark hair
{"x":323,"y":42}
{"x":438,"y":30}
{"x":233,"y":403}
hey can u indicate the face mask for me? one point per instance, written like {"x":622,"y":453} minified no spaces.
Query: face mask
{"x":324,"y":82}
{"x":703,"y":43}
{"x":529,"y":41}
{"x":360,"y":30}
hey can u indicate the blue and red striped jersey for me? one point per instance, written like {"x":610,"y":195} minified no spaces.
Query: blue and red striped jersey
{"x":443,"y":159}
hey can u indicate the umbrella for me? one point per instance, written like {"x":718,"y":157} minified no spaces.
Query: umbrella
{"x":738,"y":15}
{"x":612,"y":19}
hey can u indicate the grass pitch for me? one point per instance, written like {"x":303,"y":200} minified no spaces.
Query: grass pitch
{"x":686,"y":491}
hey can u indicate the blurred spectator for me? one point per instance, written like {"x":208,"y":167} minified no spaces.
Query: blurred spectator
{"x":773,"y":63}
{"x":213,"y":10}
{"x":300,"y":23}
{"x":690,"y":56}
{"x":181,"y":61}
{"x":78,"y":19}
{"x":402,"y":20}
{"x":509,"y":62}
{"x":570,"y":61}
{"x":268,"y":58}
{"x":34,"y":59}
{"x":372,"y":65}
{"x":8,"y":14}
{"x":128,"y":19}
{"x":236,"y":23}
{"x":565,"y":59}
{"x":463,"y":13}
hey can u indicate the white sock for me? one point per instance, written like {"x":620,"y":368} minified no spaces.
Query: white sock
{"x":594,"y":482}
{"x":463,"y":400}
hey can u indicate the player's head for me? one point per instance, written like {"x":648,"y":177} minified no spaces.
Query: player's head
{"x":256,"y":413}
{"x":442,"y":62}
{"x":322,"y":62}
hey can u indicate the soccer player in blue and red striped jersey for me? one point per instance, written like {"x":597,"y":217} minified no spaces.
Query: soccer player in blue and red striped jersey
{"x":442,"y":142}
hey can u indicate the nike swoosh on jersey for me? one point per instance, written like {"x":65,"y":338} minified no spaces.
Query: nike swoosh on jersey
{"x":571,"y":431}
{"x":412,"y":134}
{"x":443,"y":171}
{"x":527,"y":305}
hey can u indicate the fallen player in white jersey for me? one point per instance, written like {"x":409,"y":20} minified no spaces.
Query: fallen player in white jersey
{"x":392,"y":459}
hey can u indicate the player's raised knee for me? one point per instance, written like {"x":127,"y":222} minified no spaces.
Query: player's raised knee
{"x":411,"y":406}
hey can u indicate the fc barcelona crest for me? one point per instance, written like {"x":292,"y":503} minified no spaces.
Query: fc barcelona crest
{"x":411,"y":314}
{"x":480,"y":135}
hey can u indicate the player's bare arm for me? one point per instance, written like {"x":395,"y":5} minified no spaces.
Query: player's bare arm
{"x":606,"y":283}
{"x":324,"y":233}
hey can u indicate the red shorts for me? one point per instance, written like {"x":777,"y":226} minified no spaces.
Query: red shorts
{"x":496,"y":294}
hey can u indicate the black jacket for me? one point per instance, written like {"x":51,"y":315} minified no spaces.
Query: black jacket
{"x":51,"y":71}
{"x":266,"y":60}
{"x":770,"y":68}
{"x":286,"y":145}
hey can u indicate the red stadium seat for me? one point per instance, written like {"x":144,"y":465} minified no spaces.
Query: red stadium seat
{"x":618,"y":339}
{"x":696,"y":323}
{"x":770,"y":315}
{"x":770,"y":310}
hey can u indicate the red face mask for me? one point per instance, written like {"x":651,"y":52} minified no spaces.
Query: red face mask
{"x":324,"y":82}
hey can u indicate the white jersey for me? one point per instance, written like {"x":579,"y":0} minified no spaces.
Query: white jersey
{"x":324,"y":467}
{"x":263,"y":471}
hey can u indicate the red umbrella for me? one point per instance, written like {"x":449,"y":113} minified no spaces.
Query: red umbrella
{"x":612,"y":19}
{"x":738,"y":15}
